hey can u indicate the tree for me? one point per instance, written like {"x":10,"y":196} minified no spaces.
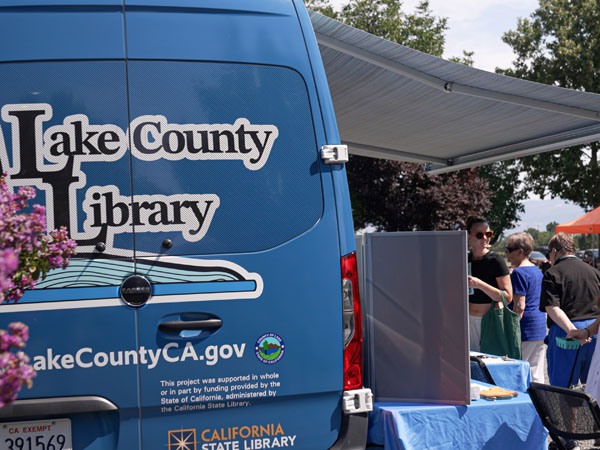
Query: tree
{"x":420,"y":30}
{"x":322,"y":7}
{"x":393,"y":195}
{"x":585,"y":241}
{"x":558,"y":45}
{"x":466,"y":58}
{"x":26,"y":254}
{"x":540,"y":238}
{"x":506,"y":194}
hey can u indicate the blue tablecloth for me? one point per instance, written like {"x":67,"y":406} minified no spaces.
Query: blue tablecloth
{"x":502,"y":424}
{"x":514,"y":375}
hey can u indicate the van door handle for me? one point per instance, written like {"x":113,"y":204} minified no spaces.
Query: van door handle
{"x":182,"y":325}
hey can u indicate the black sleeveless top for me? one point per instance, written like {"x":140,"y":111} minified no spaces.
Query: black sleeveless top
{"x":487,"y":268}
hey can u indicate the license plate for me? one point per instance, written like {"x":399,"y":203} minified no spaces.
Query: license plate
{"x":36,"y":435}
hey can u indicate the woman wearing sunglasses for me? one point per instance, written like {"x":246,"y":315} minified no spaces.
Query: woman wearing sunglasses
{"x":526,"y":281}
{"x":489,"y":276}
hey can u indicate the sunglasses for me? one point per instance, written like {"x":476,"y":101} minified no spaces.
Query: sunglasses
{"x":487,"y":234}
{"x":510,"y":249}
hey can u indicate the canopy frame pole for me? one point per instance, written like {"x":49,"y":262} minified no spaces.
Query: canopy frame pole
{"x":370,"y":151}
{"x":555,"y":142}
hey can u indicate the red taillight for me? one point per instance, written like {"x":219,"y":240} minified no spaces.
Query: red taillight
{"x":352,"y":324}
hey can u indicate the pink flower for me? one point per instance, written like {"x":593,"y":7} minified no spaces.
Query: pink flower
{"x":15,"y":370}
{"x":26,"y":255}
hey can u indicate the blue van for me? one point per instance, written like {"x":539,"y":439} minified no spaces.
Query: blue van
{"x":190,"y":148}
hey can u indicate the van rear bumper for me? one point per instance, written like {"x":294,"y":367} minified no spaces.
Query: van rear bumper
{"x":353,"y":433}
{"x":56,"y":406}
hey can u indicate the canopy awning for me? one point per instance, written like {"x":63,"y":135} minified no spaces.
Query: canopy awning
{"x":586,"y":224}
{"x":393,"y":102}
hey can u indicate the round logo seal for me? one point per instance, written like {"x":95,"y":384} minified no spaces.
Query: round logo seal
{"x":269,"y":348}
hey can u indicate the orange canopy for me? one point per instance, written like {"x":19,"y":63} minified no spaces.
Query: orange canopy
{"x":586,"y":224}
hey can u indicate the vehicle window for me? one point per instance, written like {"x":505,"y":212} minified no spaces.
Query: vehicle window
{"x":63,"y":131}
{"x":224,"y":156}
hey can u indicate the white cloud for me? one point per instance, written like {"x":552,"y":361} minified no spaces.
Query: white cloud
{"x":463,"y":11}
{"x":477,"y":25}
{"x":539,"y":213}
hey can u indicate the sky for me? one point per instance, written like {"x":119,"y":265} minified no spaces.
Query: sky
{"x":478,"y":25}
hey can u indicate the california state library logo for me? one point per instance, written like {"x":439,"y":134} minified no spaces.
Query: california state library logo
{"x":269,"y":348}
{"x":182,"y":439}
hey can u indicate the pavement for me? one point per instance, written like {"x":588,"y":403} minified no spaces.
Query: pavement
{"x":584,"y":445}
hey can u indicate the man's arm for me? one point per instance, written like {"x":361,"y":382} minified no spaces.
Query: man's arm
{"x":585,"y":334}
{"x":559,"y":317}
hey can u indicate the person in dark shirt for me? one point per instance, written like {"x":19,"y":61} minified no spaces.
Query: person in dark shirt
{"x":489,"y":277}
{"x":569,"y":292}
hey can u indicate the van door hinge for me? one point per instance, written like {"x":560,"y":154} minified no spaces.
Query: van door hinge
{"x":334,"y":154}
{"x":357,"y":401}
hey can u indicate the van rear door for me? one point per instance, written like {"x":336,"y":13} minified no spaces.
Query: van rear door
{"x":63,"y":101}
{"x":236,"y":229}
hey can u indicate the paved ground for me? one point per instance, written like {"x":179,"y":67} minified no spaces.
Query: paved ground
{"x":585,"y":445}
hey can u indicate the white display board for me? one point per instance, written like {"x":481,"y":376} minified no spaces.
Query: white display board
{"x":413,"y":287}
